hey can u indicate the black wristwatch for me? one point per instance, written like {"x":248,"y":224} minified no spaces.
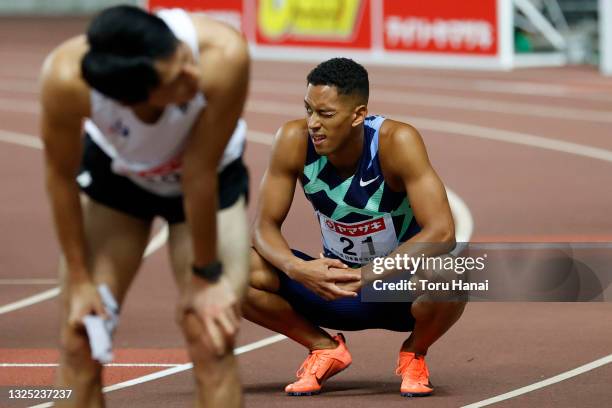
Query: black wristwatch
{"x":211,"y":272}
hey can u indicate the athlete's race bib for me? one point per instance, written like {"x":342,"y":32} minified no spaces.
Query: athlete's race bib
{"x":164,"y":179}
{"x":359,"y":242}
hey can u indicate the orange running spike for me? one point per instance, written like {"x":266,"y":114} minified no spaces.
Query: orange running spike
{"x":318,"y":367}
{"x":415,"y":375}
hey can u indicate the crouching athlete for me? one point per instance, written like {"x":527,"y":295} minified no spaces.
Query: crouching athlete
{"x":359,"y":172}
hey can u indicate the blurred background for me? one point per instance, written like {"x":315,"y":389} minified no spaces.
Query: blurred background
{"x":486,"y":34}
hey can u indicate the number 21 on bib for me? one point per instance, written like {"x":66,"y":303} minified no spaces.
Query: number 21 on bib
{"x":359,"y":242}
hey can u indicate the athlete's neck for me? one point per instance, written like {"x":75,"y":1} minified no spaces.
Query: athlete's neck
{"x":346,"y":158}
{"x":147,"y":113}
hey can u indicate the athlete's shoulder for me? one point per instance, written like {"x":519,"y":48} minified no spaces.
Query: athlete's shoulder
{"x":219,"y":39}
{"x":293,"y":129}
{"x":61,"y":79}
{"x":397,"y":138}
{"x":292,"y":134}
{"x":291,"y":143}
{"x":398,"y":133}
{"x":224,"y":58}
{"x":400,"y":146}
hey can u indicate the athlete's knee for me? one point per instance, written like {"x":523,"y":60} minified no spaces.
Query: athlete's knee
{"x":209,"y":368}
{"x":76,"y":353}
{"x":443,"y":283}
{"x":74,"y":342}
{"x":429,"y":309}
{"x":198,"y":346}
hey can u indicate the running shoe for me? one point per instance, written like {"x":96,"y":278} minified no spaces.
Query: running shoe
{"x":318,"y":367}
{"x":415,"y":375}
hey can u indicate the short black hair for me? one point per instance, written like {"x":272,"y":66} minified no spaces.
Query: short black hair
{"x":345,"y":74}
{"x":124,"y":43}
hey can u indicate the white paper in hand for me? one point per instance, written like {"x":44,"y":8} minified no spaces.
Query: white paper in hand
{"x":99,"y":339}
{"x":111,"y":307}
{"x":100,"y":331}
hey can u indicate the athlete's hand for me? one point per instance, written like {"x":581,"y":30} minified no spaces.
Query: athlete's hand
{"x":323,"y":275}
{"x":84,"y":300}
{"x":353,"y":285}
{"x":215,"y":307}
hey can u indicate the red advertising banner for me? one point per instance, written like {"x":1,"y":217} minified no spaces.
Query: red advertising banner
{"x":441,"y":26}
{"x":229,"y":11}
{"x":314,"y":23}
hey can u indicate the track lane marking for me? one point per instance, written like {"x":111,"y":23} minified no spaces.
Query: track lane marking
{"x":46,"y":365}
{"x":456,"y":102}
{"x":261,"y":106}
{"x":30,"y":300}
{"x":544,"y":383}
{"x":158,"y":240}
{"x":179,"y":368}
{"x":525,"y":87}
{"x":459,"y":128}
{"x":288,"y":87}
{"x":32,"y":281}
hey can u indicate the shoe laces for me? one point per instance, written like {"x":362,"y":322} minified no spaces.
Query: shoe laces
{"x":413,"y":367}
{"x":312,"y":363}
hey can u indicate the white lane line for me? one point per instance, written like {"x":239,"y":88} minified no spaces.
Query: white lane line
{"x":188,"y":366}
{"x":512,"y":137}
{"x":45,"y":365}
{"x":544,"y":383}
{"x":180,"y":368}
{"x":405,"y":97}
{"x":484,"y":105}
{"x":28,"y":282}
{"x":158,"y":240}
{"x":455,"y":102}
{"x":275,"y":108}
{"x":494,"y":86}
{"x":483,"y":85}
{"x":20,"y":139}
{"x":464,"y":222}
{"x":29,"y":301}
{"x":458,"y":128}
{"x":528,"y":87}
{"x":464,"y":129}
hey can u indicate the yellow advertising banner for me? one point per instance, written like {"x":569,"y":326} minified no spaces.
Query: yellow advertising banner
{"x":306,"y":19}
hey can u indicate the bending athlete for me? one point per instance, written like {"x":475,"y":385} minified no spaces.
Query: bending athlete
{"x":160,"y":97}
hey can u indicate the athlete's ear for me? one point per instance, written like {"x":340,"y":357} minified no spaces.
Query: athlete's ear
{"x":359,"y":115}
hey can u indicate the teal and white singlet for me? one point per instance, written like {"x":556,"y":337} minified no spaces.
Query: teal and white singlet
{"x":360,"y":217}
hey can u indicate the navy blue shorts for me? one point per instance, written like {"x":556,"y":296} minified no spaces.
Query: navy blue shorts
{"x":345,"y":313}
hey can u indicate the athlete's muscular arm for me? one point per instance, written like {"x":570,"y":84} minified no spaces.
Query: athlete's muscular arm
{"x":64,"y":103}
{"x":410,"y":162}
{"x":276,"y":195}
{"x":275,"y":198}
{"x":405,"y":162}
{"x":225,"y":73}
